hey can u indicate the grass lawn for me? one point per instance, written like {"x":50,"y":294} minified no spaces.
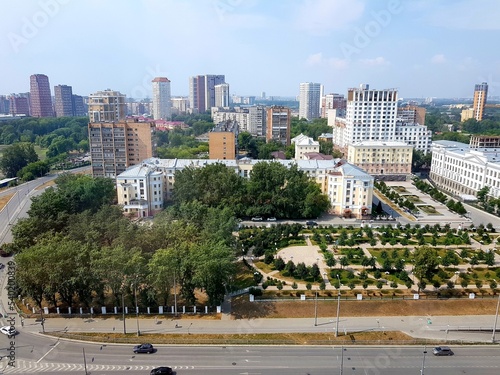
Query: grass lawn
{"x":412,"y":198}
{"x":400,"y":189}
{"x":41,"y":152}
{"x":429,"y":210}
{"x":244,"y":277}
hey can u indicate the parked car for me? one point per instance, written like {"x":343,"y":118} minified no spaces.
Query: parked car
{"x":161,"y":371}
{"x":8,"y":330}
{"x":144,"y":348}
{"x":442,"y":350}
{"x":256,"y":218}
{"x":311,"y":223}
{"x":271,"y":219}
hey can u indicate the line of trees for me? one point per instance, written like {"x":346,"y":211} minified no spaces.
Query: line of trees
{"x":272,"y":190}
{"x":76,"y":249}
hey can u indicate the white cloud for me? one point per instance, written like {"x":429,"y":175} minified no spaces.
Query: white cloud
{"x":438,"y":59}
{"x":377,"y":61}
{"x":320,"y":17}
{"x":318,"y":60}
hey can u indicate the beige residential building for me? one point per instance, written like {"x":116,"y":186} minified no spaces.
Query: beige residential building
{"x":480,"y":96}
{"x":107,"y":106}
{"x":381,"y":158}
{"x":115,"y":146}
{"x":223,"y":141}
{"x":412,"y":114}
{"x":466,"y":114}
{"x":303,"y":146}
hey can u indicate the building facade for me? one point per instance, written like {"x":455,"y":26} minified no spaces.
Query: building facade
{"x":116,"y":146}
{"x":221,"y":95}
{"x":461,"y":170}
{"x":381,"y":158}
{"x":63,"y":101}
{"x":162,"y":105}
{"x":19,"y":106}
{"x":202,"y":91}
{"x":278,"y":121}
{"x":415,"y":135}
{"x":333,"y":101}
{"x":349,"y":189}
{"x":412,"y":114}
{"x":180,"y":105}
{"x":480,"y":97}
{"x":309,"y":100}
{"x":107,"y":106}
{"x":304,"y":145}
{"x":223,"y":141}
{"x":40,"y":96}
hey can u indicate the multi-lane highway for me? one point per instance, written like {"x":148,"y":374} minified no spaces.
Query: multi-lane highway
{"x":35,"y":354}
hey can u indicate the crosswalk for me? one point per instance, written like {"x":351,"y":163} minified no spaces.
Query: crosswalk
{"x":29,"y":367}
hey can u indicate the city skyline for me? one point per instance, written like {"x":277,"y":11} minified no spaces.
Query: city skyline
{"x":422,"y":48}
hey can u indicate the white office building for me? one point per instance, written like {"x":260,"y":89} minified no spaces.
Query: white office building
{"x":461,"y":170}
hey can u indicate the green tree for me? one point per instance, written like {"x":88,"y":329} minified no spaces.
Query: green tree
{"x":426,"y":262}
{"x":16,"y":157}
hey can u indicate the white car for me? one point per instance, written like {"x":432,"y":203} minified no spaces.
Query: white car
{"x":8,"y":330}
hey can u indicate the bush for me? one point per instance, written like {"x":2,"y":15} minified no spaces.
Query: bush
{"x":257,"y":292}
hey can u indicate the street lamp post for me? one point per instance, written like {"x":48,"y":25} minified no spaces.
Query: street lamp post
{"x":123,"y":313}
{"x":136,"y":309}
{"x":338,"y":310}
{"x":316,"y":310}
{"x":423,"y":361}
{"x":495,"y":323}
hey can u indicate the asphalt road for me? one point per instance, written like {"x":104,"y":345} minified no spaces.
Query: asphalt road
{"x":52,"y":356}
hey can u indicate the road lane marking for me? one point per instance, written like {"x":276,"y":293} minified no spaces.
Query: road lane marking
{"x":57,"y":343}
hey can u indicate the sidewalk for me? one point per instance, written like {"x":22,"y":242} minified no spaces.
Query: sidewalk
{"x":425,"y":327}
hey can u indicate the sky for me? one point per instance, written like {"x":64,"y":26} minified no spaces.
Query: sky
{"x":424,"y":48}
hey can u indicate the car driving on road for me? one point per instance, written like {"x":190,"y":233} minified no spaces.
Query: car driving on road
{"x":144,"y":348}
{"x":442,"y":350}
{"x":8,"y":330}
{"x":161,"y":371}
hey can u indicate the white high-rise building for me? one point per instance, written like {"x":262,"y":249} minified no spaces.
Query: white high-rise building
{"x":309,"y":100}
{"x":222,"y":95}
{"x":370,"y":116}
{"x":162,"y":105}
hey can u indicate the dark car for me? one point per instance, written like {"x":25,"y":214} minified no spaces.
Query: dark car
{"x":442,"y":350}
{"x":144,"y":348}
{"x":311,"y":223}
{"x":161,"y":371}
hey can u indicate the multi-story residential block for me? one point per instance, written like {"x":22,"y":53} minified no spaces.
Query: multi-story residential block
{"x":19,"y":106}
{"x":484,"y":141}
{"x":40,"y":96}
{"x":180,"y":105}
{"x":257,"y":120}
{"x":415,"y":135}
{"x":4,"y":105}
{"x":250,"y":119}
{"x":115,"y":146}
{"x":63,"y":105}
{"x":480,"y":97}
{"x":162,"y":105}
{"x":107,"y":106}
{"x":370,"y":116}
{"x":412,"y":114}
{"x":304,"y":145}
{"x":349,"y":189}
{"x":202,"y":91}
{"x":309,"y":100}
{"x":79,"y":106}
{"x":381,"y":158}
{"x":462,"y":170}
{"x":221,"y":95}
{"x":333,"y":101}
{"x":278,"y":124}
{"x":223,"y":141}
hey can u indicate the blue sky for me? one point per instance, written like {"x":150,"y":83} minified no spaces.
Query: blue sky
{"x":425,"y":48}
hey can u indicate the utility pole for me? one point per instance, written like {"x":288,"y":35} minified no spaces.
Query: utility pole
{"x":123,"y":312}
{"x":342,"y":360}
{"x":85,"y":362}
{"x":338,"y":310}
{"x":316,"y":310}
{"x":495,"y":323}
{"x":175,"y":296}
{"x":136,"y":309}
{"x":423,"y":361}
